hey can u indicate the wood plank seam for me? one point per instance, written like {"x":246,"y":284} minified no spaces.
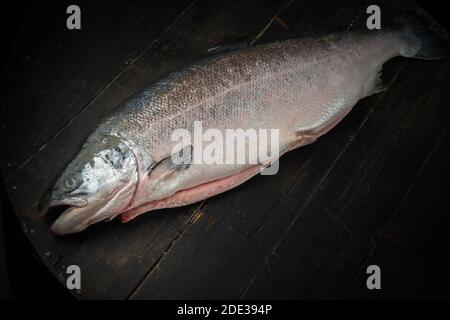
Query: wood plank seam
{"x":348,"y":228}
{"x":192,"y":220}
{"x":374,"y":246}
{"x":267,"y":26}
{"x":367,"y":253}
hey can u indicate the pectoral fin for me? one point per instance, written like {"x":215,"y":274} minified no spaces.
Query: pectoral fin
{"x":175,"y":163}
{"x":180,"y":160}
{"x":161,"y":175}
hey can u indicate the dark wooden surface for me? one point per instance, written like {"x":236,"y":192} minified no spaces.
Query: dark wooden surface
{"x":372,"y":191}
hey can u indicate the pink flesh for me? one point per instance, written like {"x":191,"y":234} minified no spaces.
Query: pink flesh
{"x":194,"y":194}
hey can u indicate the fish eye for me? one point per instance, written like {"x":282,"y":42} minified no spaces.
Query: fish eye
{"x":70,"y":183}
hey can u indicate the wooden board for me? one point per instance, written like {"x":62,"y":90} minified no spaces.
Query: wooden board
{"x":308,"y":232}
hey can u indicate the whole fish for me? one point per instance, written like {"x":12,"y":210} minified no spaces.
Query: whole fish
{"x":302,"y":87}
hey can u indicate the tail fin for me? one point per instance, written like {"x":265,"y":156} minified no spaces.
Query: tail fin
{"x":419,"y":41}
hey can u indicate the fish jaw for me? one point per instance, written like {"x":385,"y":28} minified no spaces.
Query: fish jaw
{"x":79,"y":214}
{"x":70,"y":221}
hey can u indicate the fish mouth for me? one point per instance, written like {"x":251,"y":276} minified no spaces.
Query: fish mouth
{"x":49,"y":202}
{"x":64,"y":214}
{"x":69,"y":220}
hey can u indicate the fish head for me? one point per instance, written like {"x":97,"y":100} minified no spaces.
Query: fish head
{"x":97,"y":185}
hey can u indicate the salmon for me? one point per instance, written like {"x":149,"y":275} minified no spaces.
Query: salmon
{"x":300,"y":87}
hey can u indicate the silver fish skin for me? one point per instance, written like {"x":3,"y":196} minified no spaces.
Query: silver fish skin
{"x":302,"y":87}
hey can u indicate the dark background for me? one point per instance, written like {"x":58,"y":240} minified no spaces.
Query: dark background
{"x":21,"y":273}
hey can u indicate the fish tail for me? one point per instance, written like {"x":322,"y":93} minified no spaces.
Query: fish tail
{"x":418,"y":41}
